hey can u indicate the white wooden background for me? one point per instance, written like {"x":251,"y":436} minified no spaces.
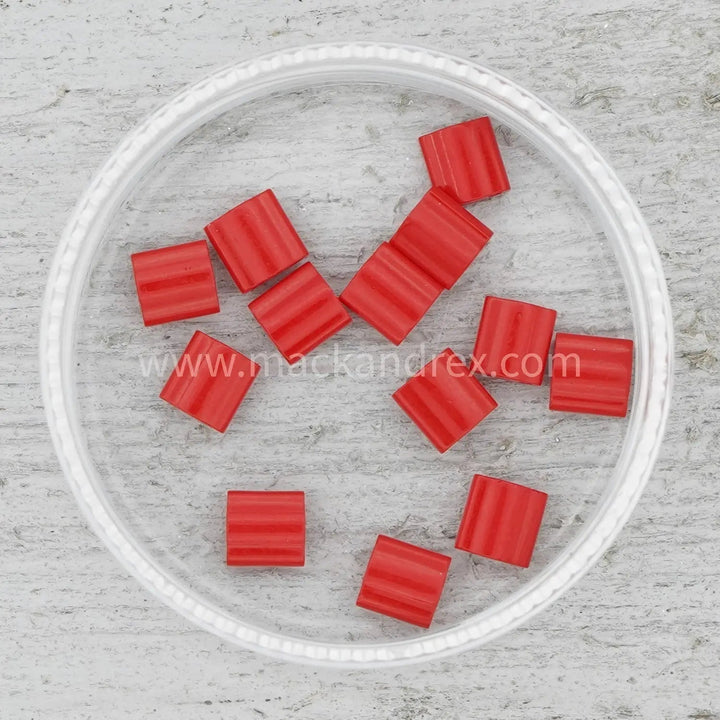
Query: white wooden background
{"x":637,"y":638}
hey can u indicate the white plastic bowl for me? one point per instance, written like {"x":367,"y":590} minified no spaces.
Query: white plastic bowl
{"x":94,"y":439}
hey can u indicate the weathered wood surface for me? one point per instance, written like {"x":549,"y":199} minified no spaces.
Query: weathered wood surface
{"x":638,"y":637}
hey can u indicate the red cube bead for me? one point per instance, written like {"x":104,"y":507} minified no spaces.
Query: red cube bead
{"x":403,"y":581}
{"x":441,"y":237}
{"x":513,"y":340}
{"x":175,"y":283}
{"x":465,"y":161}
{"x":210,"y":381}
{"x":501,"y":520}
{"x":265,"y":528}
{"x":391,"y":293}
{"x":591,"y":374}
{"x":256,"y":241}
{"x":300,"y":312}
{"x":445,"y":400}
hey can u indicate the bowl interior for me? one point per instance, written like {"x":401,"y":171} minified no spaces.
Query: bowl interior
{"x":345,"y":162}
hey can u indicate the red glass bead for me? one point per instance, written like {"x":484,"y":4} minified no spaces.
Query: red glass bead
{"x":300,"y":312}
{"x":465,"y":161}
{"x":445,"y":400}
{"x":403,"y":581}
{"x":513,"y":340}
{"x":265,"y":528}
{"x":591,"y":374}
{"x":175,"y":283}
{"x":256,"y":241}
{"x":501,"y":520}
{"x":441,"y":237}
{"x":210,"y":381}
{"x":391,"y":293}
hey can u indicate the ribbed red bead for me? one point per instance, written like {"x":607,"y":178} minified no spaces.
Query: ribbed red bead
{"x":441,"y":237}
{"x":300,"y":312}
{"x":591,"y":374}
{"x":501,"y":520}
{"x":175,"y":283}
{"x":444,"y":400}
{"x":465,"y":161}
{"x":391,"y":293}
{"x":403,"y":581}
{"x":256,"y":241}
{"x":513,"y":340}
{"x":210,"y":381}
{"x":265,"y":528}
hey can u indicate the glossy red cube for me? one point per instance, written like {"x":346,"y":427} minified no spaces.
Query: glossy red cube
{"x":513,"y":340}
{"x":391,"y":293}
{"x":441,"y":237}
{"x":256,"y":241}
{"x":265,"y":528}
{"x":210,"y":381}
{"x":300,"y":312}
{"x":175,"y":283}
{"x":465,"y":161}
{"x":501,"y":520}
{"x":445,"y":400}
{"x":403,"y":581}
{"x":591,"y":374}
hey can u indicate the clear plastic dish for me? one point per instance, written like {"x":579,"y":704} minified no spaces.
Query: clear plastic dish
{"x":333,"y":129}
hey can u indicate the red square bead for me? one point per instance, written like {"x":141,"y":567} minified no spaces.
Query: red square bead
{"x":513,"y":340}
{"x":403,"y":581}
{"x":591,"y":374}
{"x":444,"y":400}
{"x":300,"y":312}
{"x":210,"y":381}
{"x":175,"y":283}
{"x":501,"y":520}
{"x":391,"y":293}
{"x":441,"y":237}
{"x":256,"y":241}
{"x":265,"y":528}
{"x":465,"y":161}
